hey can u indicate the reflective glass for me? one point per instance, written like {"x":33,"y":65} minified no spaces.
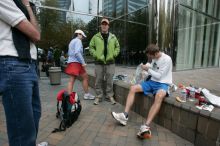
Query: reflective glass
{"x":187,"y":30}
{"x":198,"y":40}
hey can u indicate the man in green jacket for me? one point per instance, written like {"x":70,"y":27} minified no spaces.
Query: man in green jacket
{"x":104,"y":47}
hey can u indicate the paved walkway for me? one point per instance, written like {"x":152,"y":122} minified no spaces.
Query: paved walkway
{"x":95,"y":126}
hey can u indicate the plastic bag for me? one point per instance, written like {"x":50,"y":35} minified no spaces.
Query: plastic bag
{"x":140,"y":75}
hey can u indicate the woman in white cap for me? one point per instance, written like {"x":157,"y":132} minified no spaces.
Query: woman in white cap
{"x":76,"y":63}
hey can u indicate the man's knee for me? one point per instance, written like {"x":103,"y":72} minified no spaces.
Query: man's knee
{"x":160,"y":96}
{"x":134,"y":88}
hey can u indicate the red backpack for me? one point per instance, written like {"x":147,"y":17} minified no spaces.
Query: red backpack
{"x":68,"y":109}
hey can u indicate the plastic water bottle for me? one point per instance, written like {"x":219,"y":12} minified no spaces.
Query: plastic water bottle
{"x":133,"y":80}
{"x":192,"y":94}
{"x":183,"y":95}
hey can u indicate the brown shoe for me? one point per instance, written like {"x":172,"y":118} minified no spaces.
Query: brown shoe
{"x":112,"y":100}
{"x":96,"y":102}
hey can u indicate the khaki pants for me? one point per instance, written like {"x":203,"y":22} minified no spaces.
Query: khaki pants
{"x":104,"y":73}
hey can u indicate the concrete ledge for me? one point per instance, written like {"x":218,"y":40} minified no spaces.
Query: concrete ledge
{"x":197,"y":126}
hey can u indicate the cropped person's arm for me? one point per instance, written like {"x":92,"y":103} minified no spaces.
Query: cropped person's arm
{"x":80,"y":58}
{"x":29,"y":28}
{"x":13,"y":16}
{"x":77,"y":52}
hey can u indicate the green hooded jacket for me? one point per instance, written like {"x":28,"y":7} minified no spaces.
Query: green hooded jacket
{"x":96,"y":48}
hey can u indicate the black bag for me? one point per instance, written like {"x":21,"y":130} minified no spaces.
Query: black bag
{"x":68,"y":112}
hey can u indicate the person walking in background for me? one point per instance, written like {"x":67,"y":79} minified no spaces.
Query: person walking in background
{"x":50,"y":56}
{"x":76,"y":64}
{"x":62,"y":61}
{"x":161,"y":77}
{"x":18,"y":73}
{"x":104,"y":47}
{"x":43,"y":58}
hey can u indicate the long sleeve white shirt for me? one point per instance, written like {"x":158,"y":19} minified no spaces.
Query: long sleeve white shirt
{"x":161,"y":69}
{"x":75,"y":51}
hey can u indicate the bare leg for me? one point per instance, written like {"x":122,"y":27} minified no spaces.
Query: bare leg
{"x":70,"y":84}
{"x":85,"y":82}
{"x":156,"y":106}
{"x":131,"y":95}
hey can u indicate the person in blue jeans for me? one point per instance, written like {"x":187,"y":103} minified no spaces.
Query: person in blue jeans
{"x":160,"y":71}
{"x":18,"y":72}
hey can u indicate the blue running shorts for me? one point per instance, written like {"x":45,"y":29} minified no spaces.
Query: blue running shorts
{"x":151,"y":87}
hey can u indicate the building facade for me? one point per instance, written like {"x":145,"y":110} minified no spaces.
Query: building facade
{"x":66,"y":5}
{"x":187,"y":30}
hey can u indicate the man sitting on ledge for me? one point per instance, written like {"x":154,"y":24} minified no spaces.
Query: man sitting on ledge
{"x":161,"y":77}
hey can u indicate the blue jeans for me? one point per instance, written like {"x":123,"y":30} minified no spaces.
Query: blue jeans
{"x":21,"y":100}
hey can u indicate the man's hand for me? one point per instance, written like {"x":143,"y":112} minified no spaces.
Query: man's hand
{"x":26,"y":2}
{"x":84,"y":65}
{"x":144,"y":67}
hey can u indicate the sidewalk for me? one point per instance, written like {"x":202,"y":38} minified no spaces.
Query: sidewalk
{"x":95,"y":126}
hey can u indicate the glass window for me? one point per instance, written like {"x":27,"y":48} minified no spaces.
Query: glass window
{"x":120,"y":8}
{"x":136,"y":43}
{"x":134,"y":5}
{"x":197,"y":27}
{"x":198,"y":40}
{"x":108,"y":8}
{"x":186,"y":2}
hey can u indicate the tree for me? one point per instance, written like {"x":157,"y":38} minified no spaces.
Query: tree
{"x":54,"y":32}
{"x":92,"y":29}
{"x":47,"y":20}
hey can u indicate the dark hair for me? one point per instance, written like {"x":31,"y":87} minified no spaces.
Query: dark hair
{"x":75,"y":35}
{"x":152,"y":49}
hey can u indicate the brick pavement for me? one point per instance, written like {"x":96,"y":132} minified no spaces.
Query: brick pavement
{"x":95,"y":126}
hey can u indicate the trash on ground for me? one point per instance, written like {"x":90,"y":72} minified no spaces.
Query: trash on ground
{"x":205,"y":107}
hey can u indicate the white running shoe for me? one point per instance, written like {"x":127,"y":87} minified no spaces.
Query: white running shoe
{"x":120,"y":117}
{"x":144,"y":132}
{"x":96,"y":102}
{"x":43,"y":144}
{"x":88,"y":96}
{"x":112,"y":100}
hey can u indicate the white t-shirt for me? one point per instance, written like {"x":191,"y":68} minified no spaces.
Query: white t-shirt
{"x":161,"y":70}
{"x":10,"y":16}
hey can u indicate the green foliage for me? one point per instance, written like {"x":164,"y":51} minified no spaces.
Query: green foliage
{"x":47,"y":18}
{"x":91,"y":29}
{"x":54,"y":32}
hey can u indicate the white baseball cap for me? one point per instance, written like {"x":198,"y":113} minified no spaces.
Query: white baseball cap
{"x":81,"y":32}
{"x":105,"y":20}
